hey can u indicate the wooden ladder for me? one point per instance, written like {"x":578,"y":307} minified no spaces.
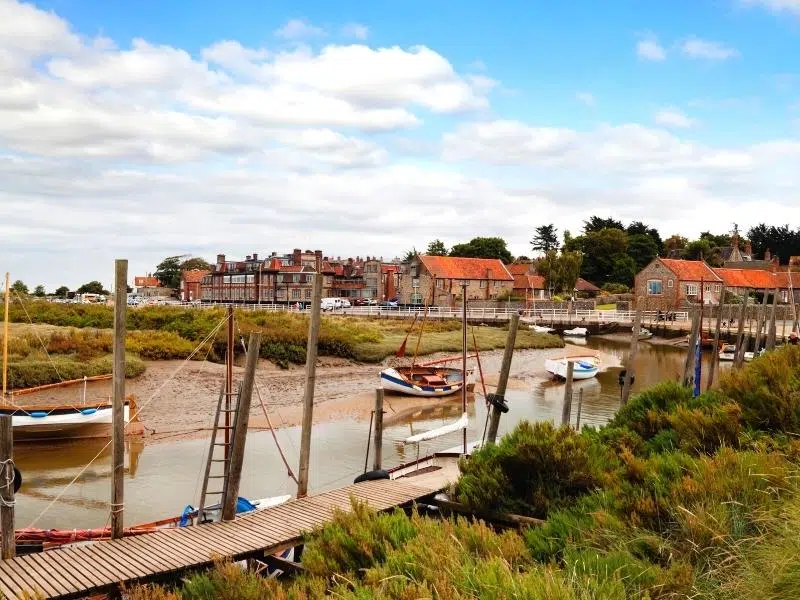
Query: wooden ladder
{"x":219,"y":454}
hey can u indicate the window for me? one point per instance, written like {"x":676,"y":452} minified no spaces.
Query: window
{"x":653,"y":287}
{"x":308,"y":294}
{"x":251,"y":278}
{"x":717,"y":288}
{"x":670,"y":283}
{"x":707,"y":288}
{"x":691,"y":289}
{"x":295,"y":294}
{"x":415,"y":282}
{"x":440,"y":284}
{"x":416,"y":298}
{"x":296,"y":278}
{"x":483,"y":283}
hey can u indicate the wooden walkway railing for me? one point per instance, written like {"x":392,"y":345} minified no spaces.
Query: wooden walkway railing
{"x":101,"y":567}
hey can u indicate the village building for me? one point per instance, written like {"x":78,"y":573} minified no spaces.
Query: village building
{"x":191,"y":279}
{"x":670,"y":284}
{"x":390,"y":275}
{"x":246,"y":281}
{"x":528,"y":286}
{"x":740,"y":281}
{"x":436,"y":280}
{"x":148,"y":286}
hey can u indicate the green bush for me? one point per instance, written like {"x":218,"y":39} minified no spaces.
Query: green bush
{"x":30,"y":373}
{"x":616,"y":288}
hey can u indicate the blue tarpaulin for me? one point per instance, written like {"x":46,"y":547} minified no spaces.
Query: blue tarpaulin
{"x":698,"y":367}
{"x":243,"y":505}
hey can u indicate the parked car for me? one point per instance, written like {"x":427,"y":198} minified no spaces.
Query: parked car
{"x":389,"y":304}
{"x":334,"y":303}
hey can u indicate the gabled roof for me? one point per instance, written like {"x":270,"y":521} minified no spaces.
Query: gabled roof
{"x":521,"y":268}
{"x":296,"y":269}
{"x":194,"y":275}
{"x":747,"y":278}
{"x":528,"y":282}
{"x":582,"y":285}
{"x":451,"y":267}
{"x":690,"y":270}
{"x":782,"y":279}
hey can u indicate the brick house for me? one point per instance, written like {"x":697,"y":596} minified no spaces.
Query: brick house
{"x":586,"y":288}
{"x":669,"y":284}
{"x":390,"y":274}
{"x":190,"y":284}
{"x":437,"y":280}
{"x":528,"y":285}
{"x":150,"y":287}
{"x":247,"y":281}
{"x":738,"y":281}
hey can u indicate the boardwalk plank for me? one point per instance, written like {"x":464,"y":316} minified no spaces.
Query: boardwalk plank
{"x":56,"y":578}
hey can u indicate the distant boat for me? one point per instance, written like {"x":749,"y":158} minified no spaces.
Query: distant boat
{"x":541,"y":329}
{"x":728,"y":353}
{"x":422,"y":381}
{"x":585,"y":367}
{"x":576,"y":332}
{"x":645,"y":334}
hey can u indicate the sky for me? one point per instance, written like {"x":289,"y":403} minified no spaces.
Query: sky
{"x":149,"y":129}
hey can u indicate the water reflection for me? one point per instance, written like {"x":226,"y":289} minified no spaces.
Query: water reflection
{"x":160,"y":481}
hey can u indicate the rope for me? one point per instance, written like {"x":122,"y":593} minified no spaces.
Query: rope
{"x":38,"y":337}
{"x":7,"y":470}
{"x":139,"y":410}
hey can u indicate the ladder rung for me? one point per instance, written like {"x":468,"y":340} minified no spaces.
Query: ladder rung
{"x":213,"y":494}
{"x":216,"y":476}
{"x":221,"y":444}
{"x":220,"y":459}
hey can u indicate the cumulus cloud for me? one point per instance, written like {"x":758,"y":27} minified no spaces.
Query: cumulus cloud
{"x":299,"y":29}
{"x":673,"y":117}
{"x":586,"y":98}
{"x":650,"y":49}
{"x":694,"y":47}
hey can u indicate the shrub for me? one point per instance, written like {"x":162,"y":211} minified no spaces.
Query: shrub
{"x":30,"y":373}
{"x":161,"y":345}
{"x":616,"y":288}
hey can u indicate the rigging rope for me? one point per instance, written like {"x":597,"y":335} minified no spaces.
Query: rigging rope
{"x":36,"y":333}
{"x":136,"y":414}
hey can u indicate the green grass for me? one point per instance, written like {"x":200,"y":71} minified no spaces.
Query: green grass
{"x":612,"y":306}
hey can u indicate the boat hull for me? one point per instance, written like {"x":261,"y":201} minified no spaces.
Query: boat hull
{"x":395,"y":380}
{"x":31,"y":423}
{"x":584,"y":368}
{"x":576,"y":332}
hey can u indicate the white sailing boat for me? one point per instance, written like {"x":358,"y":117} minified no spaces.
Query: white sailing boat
{"x":584,"y":367}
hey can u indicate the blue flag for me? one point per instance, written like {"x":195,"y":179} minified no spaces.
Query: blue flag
{"x":698,"y":367}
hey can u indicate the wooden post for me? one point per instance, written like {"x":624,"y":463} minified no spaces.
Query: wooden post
{"x":308,"y":393}
{"x":580,"y":408}
{"x":738,"y":358}
{"x":688,"y":366}
{"x":8,"y":547}
{"x":378,"y":429}
{"x":566,"y":411}
{"x":505,"y":369}
{"x":637,"y":327}
{"x":772,"y":332}
{"x":240,"y":429}
{"x":464,"y":361}
{"x":715,"y":352}
{"x":228,"y":383}
{"x":761,"y":321}
{"x":118,"y":402}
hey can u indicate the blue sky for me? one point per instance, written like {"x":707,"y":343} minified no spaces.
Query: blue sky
{"x":365,"y":128}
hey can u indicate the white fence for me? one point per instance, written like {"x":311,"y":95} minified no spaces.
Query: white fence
{"x":485,"y":314}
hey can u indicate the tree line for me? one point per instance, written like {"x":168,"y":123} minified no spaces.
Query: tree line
{"x":609,"y":253}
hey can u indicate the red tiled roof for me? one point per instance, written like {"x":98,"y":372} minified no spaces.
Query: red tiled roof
{"x":782,"y":279}
{"x":451,"y":267}
{"x":386,"y":269}
{"x":582,"y":285}
{"x":520,"y":268}
{"x":528,"y":282}
{"x":690,"y":270}
{"x":747,"y":278}
{"x":327,"y":267}
{"x":146,"y":282}
{"x":293,"y":269}
{"x":194,"y":275}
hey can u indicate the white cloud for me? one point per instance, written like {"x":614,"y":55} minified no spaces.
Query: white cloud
{"x":777,"y":6}
{"x":356,"y":30}
{"x":296,"y":29}
{"x":694,"y":47}
{"x":673,"y":117}
{"x":650,"y":49}
{"x":586,"y":98}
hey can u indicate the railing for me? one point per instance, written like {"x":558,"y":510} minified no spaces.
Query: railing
{"x":488,"y":314}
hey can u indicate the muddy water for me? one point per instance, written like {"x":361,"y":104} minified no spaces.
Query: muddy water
{"x":162,"y":478}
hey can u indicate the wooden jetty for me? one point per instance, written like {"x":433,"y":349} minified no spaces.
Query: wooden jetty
{"x":102,"y":567}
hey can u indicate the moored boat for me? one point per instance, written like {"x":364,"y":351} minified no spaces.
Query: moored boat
{"x":728,"y":353}
{"x":585,"y":367}
{"x":645,"y":334}
{"x":422,"y":381}
{"x":541,"y":329}
{"x":35,"y":422}
{"x":576,"y":332}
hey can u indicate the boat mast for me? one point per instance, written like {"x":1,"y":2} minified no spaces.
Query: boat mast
{"x":464,"y":357}
{"x":5,"y":341}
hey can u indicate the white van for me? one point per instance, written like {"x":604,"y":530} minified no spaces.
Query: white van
{"x":334,"y":303}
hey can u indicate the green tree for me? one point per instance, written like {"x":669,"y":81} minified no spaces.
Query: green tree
{"x":168,"y":271}
{"x":194,"y":263}
{"x":437,"y":248}
{"x":605,"y":257}
{"x":546,"y":238}
{"x":410,"y":255}
{"x":560,"y":271}
{"x":642,"y":249}
{"x":39,"y":292}
{"x":19,"y":287}
{"x":93,"y":287}
{"x":697,"y":250}
{"x":639,"y":228}
{"x":782,"y":241}
{"x":674,"y":243}
{"x":595,"y":224}
{"x":483,"y":247}
{"x":62,"y":291}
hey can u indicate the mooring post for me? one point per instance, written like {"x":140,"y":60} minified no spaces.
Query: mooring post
{"x":772,"y":332}
{"x":688,"y":366}
{"x":498,"y":398}
{"x":240,"y":429}
{"x":761,"y":321}
{"x":717,"y":332}
{"x":378,"y":442}
{"x":118,"y":401}
{"x":637,"y":328}
{"x":738,"y":358}
{"x":7,"y":488}
{"x":580,"y":408}
{"x":228,"y":384}
{"x":567,"y":408}
{"x":308,"y":392}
